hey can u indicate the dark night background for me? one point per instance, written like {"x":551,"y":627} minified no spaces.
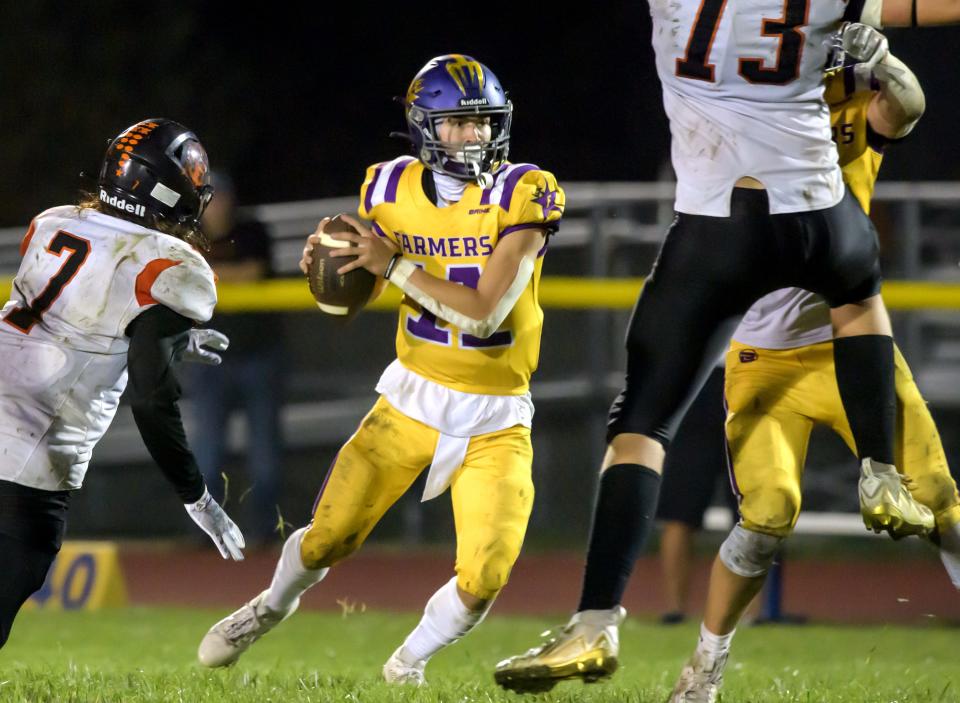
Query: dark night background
{"x":297,"y":103}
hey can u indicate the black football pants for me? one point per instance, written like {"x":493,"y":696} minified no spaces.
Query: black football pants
{"x":709,"y":271}
{"x":32,"y":524}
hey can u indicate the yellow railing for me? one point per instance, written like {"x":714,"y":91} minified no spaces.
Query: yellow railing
{"x":577,"y":293}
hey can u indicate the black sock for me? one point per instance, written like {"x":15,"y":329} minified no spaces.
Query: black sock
{"x":865,"y":378}
{"x":621,"y":522}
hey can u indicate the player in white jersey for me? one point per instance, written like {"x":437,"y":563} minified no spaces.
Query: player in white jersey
{"x":108,"y":291}
{"x":760,"y":206}
{"x":780,"y":383}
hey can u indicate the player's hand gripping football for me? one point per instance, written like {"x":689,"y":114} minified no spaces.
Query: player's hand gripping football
{"x":212,"y":519}
{"x":864,"y":43}
{"x":373,"y":253}
{"x":195,"y":352}
{"x":313,"y":239}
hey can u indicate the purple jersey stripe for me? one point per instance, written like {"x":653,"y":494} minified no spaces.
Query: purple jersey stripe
{"x":368,"y":198}
{"x":726,"y":445}
{"x":511,"y":184}
{"x":513,"y":228}
{"x":487,"y":192}
{"x":390,"y":196}
{"x":849,"y":81}
{"x":533,"y":225}
{"x":379,"y":230}
{"x":326,"y":479}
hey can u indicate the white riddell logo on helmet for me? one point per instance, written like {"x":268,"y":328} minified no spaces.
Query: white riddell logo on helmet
{"x":464,"y":102}
{"x":122,"y":204}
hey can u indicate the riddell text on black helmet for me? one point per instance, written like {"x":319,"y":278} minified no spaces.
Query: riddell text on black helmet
{"x":121,"y":204}
{"x":156,"y":172}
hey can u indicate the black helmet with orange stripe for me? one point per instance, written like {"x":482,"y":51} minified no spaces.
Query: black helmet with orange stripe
{"x":156,"y":172}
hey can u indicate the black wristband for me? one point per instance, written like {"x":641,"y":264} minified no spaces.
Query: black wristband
{"x":913,"y":13}
{"x":392,"y":265}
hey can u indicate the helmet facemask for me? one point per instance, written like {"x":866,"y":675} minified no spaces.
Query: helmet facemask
{"x":156,"y":173}
{"x":470,"y":161}
{"x":191,"y":157}
{"x":459,"y":86}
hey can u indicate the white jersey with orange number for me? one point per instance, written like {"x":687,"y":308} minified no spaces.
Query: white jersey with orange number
{"x":743,"y":89}
{"x":83,"y":278}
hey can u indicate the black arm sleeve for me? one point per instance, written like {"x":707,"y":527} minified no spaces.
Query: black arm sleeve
{"x":854,"y":11}
{"x":157,"y":338}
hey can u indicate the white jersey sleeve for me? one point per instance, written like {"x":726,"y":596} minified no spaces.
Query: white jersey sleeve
{"x":179,"y":279}
{"x":742,"y":87}
{"x":83,"y":277}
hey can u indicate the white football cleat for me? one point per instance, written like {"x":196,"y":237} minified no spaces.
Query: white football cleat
{"x":228,"y":639}
{"x":886,"y":502}
{"x":397,"y":672}
{"x":700,"y":679}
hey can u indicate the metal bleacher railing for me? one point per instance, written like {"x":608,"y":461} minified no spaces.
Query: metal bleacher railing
{"x":610,"y":235}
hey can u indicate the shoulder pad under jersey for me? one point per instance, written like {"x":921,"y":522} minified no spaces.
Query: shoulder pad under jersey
{"x":380,"y":185}
{"x":178,"y":278}
{"x":528,"y":196}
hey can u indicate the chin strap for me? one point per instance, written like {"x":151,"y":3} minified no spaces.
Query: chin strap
{"x":471,"y":158}
{"x":404,"y":268}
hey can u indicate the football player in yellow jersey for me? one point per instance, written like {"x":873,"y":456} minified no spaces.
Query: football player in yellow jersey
{"x":780,"y":382}
{"x":462,"y":232}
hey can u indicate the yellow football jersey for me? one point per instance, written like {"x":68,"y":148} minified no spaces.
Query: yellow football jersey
{"x":454,"y":243}
{"x":860,"y":149}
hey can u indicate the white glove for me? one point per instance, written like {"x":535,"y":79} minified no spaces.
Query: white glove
{"x":201,"y":338}
{"x":207,"y":513}
{"x":864,"y":43}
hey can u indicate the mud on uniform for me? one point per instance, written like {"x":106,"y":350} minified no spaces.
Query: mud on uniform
{"x":780,"y":378}
{"x":92,"y":299}
{"x":457,"y":403}
{"x":742,"y":88}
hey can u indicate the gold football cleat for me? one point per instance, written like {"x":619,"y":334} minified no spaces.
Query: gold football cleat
{"x":586,"y":648}
{"x":886,"y":502}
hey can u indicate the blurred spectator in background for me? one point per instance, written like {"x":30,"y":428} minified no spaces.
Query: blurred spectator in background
{"x":250,"y":378}
{"x":696,"y":463}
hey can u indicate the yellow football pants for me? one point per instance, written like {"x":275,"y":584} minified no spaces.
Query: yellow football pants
{"x":492,"y":495}
{"x":774,"y":397}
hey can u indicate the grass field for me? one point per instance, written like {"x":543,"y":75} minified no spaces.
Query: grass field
{"x":138,"y":655}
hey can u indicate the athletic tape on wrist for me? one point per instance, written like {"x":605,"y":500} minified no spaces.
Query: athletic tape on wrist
{"x":401,"y":273}
{"x":391,"y":265}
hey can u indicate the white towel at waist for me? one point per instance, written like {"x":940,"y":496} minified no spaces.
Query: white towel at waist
{"x":456,"y":415}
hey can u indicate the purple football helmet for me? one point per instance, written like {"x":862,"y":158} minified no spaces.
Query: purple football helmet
{"x":458,"y":85}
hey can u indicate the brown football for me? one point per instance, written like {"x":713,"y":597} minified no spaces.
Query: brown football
{"x":337,"y":294}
